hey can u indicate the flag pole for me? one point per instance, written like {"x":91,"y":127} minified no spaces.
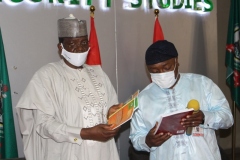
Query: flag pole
{"x":234,"y":131}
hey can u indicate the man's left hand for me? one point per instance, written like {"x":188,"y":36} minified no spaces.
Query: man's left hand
{"x":193,"y":120}
{"x":113,"y":109}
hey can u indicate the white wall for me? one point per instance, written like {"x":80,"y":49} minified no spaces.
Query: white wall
{"x":30,"y":39}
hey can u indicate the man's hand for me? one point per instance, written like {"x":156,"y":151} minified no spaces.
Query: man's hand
{"x":155,"y":140}
{"x":193,"y":120}
{"x":100,"y":132}
{"x":113,"y":109}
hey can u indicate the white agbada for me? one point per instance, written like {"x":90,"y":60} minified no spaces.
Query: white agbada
{"x":56,"y":104}
{"x":154,"y":101}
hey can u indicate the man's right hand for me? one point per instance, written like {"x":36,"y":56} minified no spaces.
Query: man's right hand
{"x":155,"y":140}
{"x":100,"y":132}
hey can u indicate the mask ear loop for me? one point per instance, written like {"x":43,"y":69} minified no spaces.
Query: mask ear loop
{"x":61,"y":45}
{"x":62,"y":49}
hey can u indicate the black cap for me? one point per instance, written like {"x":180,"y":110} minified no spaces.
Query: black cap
{"x":160,"y":51}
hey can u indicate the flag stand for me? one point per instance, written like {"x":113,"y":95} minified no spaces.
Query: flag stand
{"x":234,"y":131}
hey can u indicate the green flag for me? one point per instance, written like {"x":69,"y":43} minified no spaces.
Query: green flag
{"x":232,"y":52}
{"x":8,"y":144}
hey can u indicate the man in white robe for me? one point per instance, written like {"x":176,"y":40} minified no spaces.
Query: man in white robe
{"x":171,"y":91}
{"x":63,"y":111}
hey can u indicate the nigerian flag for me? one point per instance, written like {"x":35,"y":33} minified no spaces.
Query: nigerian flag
{"x":8,"y":144}
{"x":232,"y":52}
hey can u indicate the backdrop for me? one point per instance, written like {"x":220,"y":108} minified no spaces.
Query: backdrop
{"x":30,"y":39}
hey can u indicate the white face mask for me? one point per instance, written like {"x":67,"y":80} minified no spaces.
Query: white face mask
{"x":76,"y":59}
{"x":164,"y":80}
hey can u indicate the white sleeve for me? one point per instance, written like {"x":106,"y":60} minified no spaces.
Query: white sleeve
{"x":49,"y":127}
{"x":218,"y":115}
{"x":138,"y":133}
{"x":39,"y":100}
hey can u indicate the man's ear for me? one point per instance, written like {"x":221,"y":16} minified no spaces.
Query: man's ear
{"x":89,"y":45}
{"x":177,"y":61}
{"x":59,"y":46}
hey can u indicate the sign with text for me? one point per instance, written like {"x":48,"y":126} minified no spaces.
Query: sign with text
{"x":194,"y":5}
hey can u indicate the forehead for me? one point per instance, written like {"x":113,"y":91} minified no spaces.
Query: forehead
{"x":162,"y":64}
{"x":75,"y":39}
